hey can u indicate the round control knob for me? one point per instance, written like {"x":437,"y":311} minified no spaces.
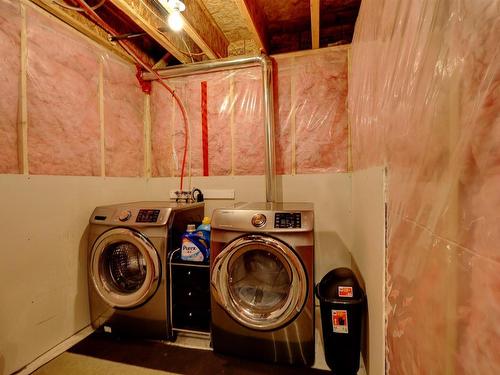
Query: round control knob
{"x":124,"y":215}
{"x":259,"y":220}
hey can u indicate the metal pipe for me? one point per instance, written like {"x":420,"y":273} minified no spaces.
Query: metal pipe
{"x":114,"y":38}
{"x":270,"y":164}
{"x":266,"y":64}
{"x":210,"y":66}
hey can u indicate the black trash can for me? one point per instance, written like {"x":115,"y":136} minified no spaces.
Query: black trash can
{"x":342,"y":305}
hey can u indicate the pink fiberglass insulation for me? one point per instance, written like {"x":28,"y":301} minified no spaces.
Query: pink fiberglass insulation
{"x":123,"y":120}
{"x":189,"y":92}
{"x":248,"y":127}
{"x":63,"y":72}
{"x":478,"y":336}
{"x":283,"y":129}
{"x":219,"y":107}
{"x":168,"y":131}
{"x":162,"y":111}
{"x":421,"y":310}
{"x":191,"y":96}
{"x":424,"y":100}
{"x":310,"y":121}
{"x":321,"y":116}
{"x":10,"y":31}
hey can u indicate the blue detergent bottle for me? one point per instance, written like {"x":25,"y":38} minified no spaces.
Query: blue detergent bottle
{"x":203,"y":231}
{"x":193,"y":246}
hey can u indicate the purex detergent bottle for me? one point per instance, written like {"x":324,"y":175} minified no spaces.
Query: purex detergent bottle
{"x":193,"y":247}
{"x":203,"y":231}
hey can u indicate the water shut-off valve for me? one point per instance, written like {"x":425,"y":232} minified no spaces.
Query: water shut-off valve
{"x":189,"y":196}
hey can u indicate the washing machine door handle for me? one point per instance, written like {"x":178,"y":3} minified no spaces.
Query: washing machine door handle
{"x":124,"y":267}
{"x":260,"y":282}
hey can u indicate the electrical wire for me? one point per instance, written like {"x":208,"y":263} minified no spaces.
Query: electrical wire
{"x":98,"y":20}
{"x":190,"y":148}
{"x":78,"y":9}
{"x":189,"y":53}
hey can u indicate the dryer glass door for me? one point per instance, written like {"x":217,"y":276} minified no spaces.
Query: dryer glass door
{"x":125,"y":268}
{"x":260,"y":282}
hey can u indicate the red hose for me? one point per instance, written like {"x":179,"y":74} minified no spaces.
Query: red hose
{"x":95,"y":17}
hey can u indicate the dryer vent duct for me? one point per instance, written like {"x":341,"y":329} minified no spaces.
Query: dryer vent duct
{"x":266,"y":65}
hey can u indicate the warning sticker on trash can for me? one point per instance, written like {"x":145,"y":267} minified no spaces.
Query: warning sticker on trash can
{"x":339,"y":320}
{"x":345,"y":291}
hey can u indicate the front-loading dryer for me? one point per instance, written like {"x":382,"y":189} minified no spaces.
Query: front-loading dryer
{"x":262,"y":282}
{"x":127,"y":270}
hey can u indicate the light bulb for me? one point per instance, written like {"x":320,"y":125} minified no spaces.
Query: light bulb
{"x":175,"y":21}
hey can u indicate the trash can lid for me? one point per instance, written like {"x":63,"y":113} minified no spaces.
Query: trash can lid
{"x":338,"y":285}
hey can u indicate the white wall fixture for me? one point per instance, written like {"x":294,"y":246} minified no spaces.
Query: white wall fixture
{"x":368,"y":253}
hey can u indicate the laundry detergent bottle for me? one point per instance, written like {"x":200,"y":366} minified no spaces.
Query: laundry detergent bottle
{"x":203,"y":231}
{"x":193,"y":249}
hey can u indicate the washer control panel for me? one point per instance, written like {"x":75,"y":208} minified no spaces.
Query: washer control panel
{"x":287,"y":220}
{"x":147,"y":216}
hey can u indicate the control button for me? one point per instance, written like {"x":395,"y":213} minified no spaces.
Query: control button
{"x":124,"y":215}
{"x":259,"y":220}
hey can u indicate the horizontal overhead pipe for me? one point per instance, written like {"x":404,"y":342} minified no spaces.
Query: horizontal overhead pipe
{"x":209,"y":66}
{"x":266,"y":65}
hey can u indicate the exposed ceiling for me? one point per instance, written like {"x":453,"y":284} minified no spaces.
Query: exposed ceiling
{"x":216,"y":28}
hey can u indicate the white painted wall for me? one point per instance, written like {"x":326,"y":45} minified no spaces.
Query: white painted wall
{"x":368,"y":253}
{"x":43,"y":221}
{"x":43,"y":281}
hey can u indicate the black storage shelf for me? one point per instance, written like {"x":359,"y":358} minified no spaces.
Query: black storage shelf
{"x":177,"y":261}
{"x":189,"y":295}
{"x":191,"y":319}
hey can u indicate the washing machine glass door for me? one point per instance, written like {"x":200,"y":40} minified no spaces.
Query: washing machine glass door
{"x":125,"y":268}
{"x":260,"y":282}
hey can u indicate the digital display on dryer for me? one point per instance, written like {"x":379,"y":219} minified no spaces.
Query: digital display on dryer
{"x":147,"y":216}
{"x":287,"y":220}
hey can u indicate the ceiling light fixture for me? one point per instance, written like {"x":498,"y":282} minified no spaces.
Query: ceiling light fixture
{"x":174,"y":8}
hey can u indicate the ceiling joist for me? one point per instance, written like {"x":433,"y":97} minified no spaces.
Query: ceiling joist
{"x":256,"y":22}
{"x":314,"y":23}
{"x":152,"y":20}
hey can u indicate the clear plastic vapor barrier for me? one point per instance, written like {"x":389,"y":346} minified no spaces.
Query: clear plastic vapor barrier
{"x":226,"y":124}
{"x":424,"y":101}
{"x":85,"y":113}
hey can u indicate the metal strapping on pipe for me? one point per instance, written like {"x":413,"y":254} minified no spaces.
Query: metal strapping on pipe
{"x":266,"y":64}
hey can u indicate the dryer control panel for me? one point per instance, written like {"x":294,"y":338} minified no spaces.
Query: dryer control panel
{"x":287,"y":220}
{"x":147,"y":216}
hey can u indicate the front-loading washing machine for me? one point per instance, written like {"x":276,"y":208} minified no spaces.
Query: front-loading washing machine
{"x":127,"y":264}
{"x":262,"y":276}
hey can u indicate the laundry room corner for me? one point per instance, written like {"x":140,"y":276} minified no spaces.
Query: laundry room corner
{"x":112,"y":143}
{"x":249,"y":187}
